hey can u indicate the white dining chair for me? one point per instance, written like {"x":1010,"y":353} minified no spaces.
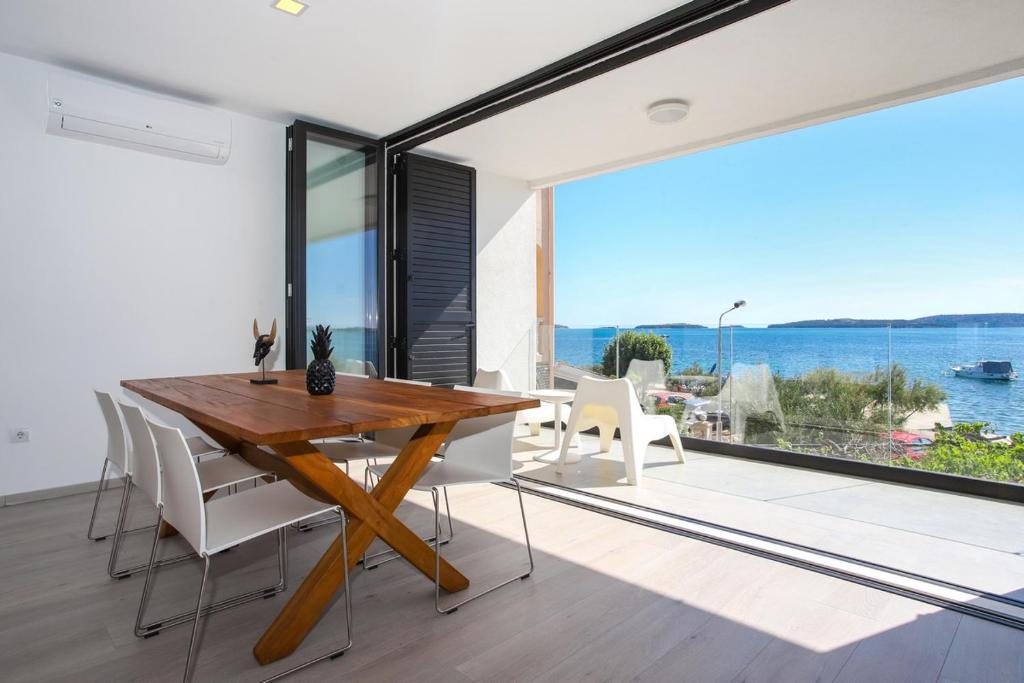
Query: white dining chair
{"x":211,"y":527}
{"x":532,"y":417}
{"x":118,"y":459}
{"x":218,"y":473}
{"x":612,"y":403}
{"x":479,"y":451}
{"x":386,"y":444}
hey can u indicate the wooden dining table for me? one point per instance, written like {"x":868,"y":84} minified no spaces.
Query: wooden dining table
{"x":243,"y":416}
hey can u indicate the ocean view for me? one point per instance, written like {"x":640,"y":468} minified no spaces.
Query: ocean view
{"x":925,"y":353}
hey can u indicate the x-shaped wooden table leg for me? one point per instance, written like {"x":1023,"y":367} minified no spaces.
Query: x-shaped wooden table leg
{"x":372,"y":515}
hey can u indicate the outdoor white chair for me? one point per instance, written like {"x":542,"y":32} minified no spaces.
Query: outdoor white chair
{"x":479,"y":451}
{"x":532,"y":417}
{"x":352,"y":367}
{"x":118,"y":459}
{"x":610,"y":403}
{"x":222,"y":523}
{"x":215,"y":474}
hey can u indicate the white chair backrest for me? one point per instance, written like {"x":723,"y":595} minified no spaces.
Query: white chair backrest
{"x":492,"y":379}
{"x":407,"y":381}
{"x":484,"y":443}
{"x":648,"y":372}
{"x":146,"y":464}
{"x":612,"y":401}
{"x":646,"y":376}
{"x":117,"y":441}
{"x":183,"y":496}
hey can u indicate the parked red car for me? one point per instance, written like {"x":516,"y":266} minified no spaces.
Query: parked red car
{"x":914,"y":446}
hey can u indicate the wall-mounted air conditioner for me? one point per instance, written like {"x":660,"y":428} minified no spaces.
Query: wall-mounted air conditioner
{"x":100,"y":112}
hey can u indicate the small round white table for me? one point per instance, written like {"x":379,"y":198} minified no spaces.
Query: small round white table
{"x":558,"y":397}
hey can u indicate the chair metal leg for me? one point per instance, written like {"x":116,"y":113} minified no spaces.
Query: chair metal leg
{"x":155,"y":627}
{"x":104,"y":485}
{"x":122,"y":513}
{"x":437,"y":556}
{"x":390,"y":555}
{"x":139,"y":631}
{"x":448,"y":513}
{"x":195,"y":623}
{"x":119,"y":533}
{"x":282,"y":559}
{"x":348,"y":614}
{"x":96,"y":503}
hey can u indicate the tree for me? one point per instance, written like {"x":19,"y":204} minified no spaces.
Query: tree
{"x":694,"y":369}
{"x":907,"y":397}
{"x":841,"y":414}
{"x":829,"y":397}
{"x":639,"y":345}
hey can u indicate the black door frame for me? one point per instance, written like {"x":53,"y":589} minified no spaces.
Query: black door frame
{"x":295,"y":233}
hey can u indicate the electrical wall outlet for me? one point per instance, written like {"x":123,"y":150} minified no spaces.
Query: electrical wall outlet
{"x":20,"y":435}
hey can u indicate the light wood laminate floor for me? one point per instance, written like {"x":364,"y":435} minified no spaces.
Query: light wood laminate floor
{"x":609,"y":601}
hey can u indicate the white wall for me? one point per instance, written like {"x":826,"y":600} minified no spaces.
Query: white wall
{"x":118,"y":264}
{"x":506,"y":280}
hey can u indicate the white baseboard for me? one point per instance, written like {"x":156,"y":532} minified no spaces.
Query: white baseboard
{"x":57,"y":492}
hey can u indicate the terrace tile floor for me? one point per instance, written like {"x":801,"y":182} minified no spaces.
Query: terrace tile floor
{"x":961,"y":539}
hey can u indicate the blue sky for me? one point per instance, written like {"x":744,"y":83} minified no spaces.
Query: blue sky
{"x":910,"y":211}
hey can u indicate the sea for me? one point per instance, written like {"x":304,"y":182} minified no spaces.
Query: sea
{"x":926,"y":353}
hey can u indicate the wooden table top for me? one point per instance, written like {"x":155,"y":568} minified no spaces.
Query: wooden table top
{"x":284,"y":412}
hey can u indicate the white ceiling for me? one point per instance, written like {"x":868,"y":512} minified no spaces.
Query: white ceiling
{"x":375,"y":67}
{"x":370,"y":66}
{"x":802,"y":62}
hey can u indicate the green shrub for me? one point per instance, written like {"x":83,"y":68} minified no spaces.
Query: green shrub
{"x":694,"y":369}
{"x":639,"y":345}
{"x":958,"y":451}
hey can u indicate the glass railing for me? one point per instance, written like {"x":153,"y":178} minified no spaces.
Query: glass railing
{"x":873,"y":394}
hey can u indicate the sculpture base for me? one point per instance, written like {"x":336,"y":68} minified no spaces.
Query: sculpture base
{"x":263,"y":381}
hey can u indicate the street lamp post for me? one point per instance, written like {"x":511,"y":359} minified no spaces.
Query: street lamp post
{"x":735,"y":305}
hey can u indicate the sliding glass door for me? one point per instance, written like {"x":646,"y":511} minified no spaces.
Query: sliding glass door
{"x":333,"y":248}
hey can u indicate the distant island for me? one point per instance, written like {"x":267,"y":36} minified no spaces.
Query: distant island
{"x":681,"y":326}
{"x":987,"y":319}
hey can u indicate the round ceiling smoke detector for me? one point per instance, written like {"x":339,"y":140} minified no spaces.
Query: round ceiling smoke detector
{"x":667,"y":111}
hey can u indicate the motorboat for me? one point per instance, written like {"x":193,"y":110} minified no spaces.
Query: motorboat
{"x":986,"y":369}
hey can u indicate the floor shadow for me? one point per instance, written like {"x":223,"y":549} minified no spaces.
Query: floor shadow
{"x":609,"y":601}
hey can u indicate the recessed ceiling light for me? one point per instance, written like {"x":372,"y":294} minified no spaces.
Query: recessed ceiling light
{"x":293,"y":7}
{"x":667,"y":111}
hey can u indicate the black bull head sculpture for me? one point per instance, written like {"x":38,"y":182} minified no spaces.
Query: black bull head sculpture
{"x":263,"y":341}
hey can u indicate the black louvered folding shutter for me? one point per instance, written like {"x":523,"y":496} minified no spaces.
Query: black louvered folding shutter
{"x":436,"y":269}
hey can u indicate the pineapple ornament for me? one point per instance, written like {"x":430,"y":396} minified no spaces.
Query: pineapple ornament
{"x":320,"y":373}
